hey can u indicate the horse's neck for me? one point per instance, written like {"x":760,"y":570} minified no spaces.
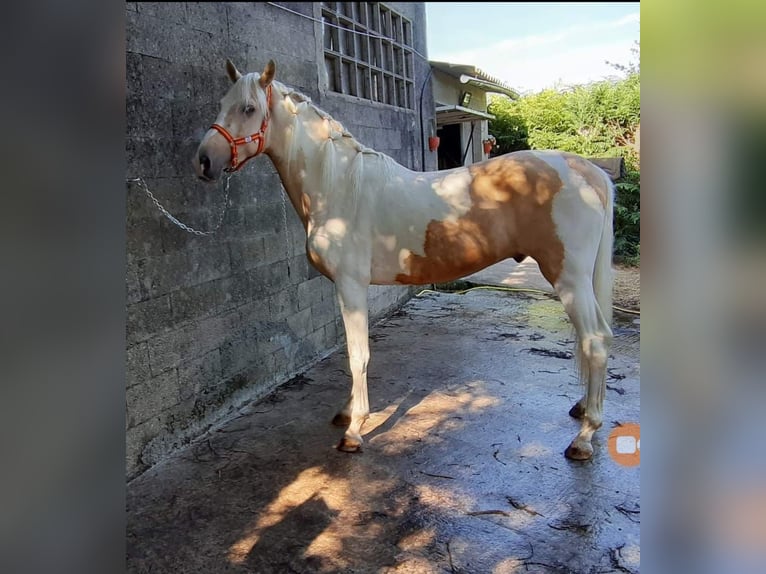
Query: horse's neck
{"x":301,"y":168}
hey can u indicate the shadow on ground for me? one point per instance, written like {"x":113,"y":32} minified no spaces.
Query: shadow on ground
{"x":462,"y":472}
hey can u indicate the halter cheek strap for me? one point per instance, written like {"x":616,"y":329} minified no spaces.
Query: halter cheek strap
{"x":259,"y":137}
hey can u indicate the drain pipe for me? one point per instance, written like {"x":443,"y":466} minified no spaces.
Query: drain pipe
{"x":420,"y":111}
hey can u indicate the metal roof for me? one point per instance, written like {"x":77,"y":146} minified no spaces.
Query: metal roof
{"x":467,"y":74}
{"x":457,"y":114}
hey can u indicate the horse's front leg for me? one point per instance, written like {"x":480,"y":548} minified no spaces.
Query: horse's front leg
{"x":352,"y":295}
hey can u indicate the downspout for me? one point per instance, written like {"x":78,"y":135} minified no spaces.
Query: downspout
{"x":420,"y":110}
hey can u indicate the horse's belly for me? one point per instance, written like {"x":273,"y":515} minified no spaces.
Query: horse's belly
{"x":444,"y":258}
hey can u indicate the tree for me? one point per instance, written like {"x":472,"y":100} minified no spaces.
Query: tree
{"x":601,"y":119}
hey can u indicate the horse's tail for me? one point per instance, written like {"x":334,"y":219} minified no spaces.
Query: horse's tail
{"x":602,"y":272}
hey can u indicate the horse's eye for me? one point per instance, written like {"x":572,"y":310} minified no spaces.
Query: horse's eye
{"x":249,"y":109}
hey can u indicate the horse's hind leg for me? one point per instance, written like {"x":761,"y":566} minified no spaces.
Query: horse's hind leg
{"x":592,"y":347}
{"x":352,"y":295}
{"x":578,"y":409}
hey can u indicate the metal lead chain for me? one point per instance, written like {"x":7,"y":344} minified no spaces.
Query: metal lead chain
{"x":284,"y":223}
{"x":140,"y":181}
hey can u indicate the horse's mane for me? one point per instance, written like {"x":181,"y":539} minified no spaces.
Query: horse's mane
{"x":364,"y":160}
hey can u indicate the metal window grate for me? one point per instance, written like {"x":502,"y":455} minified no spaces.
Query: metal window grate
{"x":368,"y":52}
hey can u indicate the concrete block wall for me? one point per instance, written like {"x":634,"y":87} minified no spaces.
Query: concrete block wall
{"x":215,"y":322}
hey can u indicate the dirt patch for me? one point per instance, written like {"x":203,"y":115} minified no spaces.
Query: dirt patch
{"x":627,"y":287}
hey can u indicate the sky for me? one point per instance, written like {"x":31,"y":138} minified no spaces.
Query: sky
{"x":533,"y":46}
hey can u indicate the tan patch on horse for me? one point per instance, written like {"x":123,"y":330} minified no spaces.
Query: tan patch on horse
{"x":512,"y":199}
{"x":590,"y":173}
{"x":316,"y":260}
{"x":305,"y":207}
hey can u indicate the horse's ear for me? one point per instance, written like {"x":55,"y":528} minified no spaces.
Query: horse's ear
{"x":268,"y":74}
{"x":232,"y":71}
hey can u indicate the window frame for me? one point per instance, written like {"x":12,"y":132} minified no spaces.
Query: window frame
{"x":360,"y":65}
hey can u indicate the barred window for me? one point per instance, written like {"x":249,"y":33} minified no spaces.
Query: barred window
{"x":368,"y":52}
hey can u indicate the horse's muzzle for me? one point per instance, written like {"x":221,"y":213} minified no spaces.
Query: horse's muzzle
{"x":204,"y":163}
{"x":203,"y":167}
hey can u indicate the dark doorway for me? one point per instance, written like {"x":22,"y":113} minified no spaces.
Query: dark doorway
{"x":450,"y":151}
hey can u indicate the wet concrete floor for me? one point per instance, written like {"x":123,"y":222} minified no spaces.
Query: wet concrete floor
{"x":462,"y":469}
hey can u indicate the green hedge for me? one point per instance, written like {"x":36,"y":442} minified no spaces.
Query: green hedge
{"x":595,"y":120}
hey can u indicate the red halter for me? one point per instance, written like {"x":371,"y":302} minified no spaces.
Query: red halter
{"x":259,"y":136}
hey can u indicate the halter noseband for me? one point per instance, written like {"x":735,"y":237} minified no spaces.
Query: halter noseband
{"x":259,"y":136}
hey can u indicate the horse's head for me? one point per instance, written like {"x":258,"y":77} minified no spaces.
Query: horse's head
{"x":239,"y":131}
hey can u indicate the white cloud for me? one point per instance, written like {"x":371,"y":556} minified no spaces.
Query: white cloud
{"x":574,"y":55}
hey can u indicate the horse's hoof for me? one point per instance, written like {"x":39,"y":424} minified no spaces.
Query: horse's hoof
{"x":349,"y":445}
{"x":577,"y":411}
{"x":579,"y":452}
{"x":341,"y":420}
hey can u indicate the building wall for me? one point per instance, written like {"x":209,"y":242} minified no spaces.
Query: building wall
{"x":214,"y":322}
{"x":475,"y":153}
{"x":447,"y":90}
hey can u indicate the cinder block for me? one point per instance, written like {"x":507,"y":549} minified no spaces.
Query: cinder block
{"x":247,"y":20}
{"x":331,"y":335}
{"x":236,"y":291}
{"x":166,"y":11}
{"x":175,"y":240}
{"x":207,"y":16}
{"x":323,"y":312}
{"x":136,"y":438}
{"x":133,"y":73}
{"x":269,"y":279}
{"x":148,"y":319}
{"x":132,"y":287}
{"x":205,"y":49}
{"x":258,"y":309}
{"x":199,"y":373}
{"x":137,"y":365}
{"x":237,"y":355}
{"x":298,"y":269}
{"x":192,"y":340}
{"x":140,"y":160}
{"x":309,"y":348}
{"x":137,"y":41}
{"x":197,"y":301}
{"x":149,"y":399}
{"x":301,"y":323}
{"x":280,"y":363}
{"x":283,"y":303}
{"x":276,"y":248}
{"x":305,"y":8}
{"x":265,"y":218}
{"x":312,"y":291}
{"x":164,"y":79}
{"x":248,"y":253}
{"x":160,"y":275}
{"x":143,"y":238}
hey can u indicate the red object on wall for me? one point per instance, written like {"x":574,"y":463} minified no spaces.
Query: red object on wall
{"x":433,"y":143}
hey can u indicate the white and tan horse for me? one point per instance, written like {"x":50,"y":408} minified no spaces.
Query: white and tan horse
{"x":370,"y":220}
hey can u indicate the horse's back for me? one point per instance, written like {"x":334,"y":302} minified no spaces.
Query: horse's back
{"x":452,"y":223}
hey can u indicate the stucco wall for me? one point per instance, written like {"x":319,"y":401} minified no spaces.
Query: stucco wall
{"x":447,"y":90}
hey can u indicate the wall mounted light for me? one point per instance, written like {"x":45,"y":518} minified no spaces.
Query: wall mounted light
{"x":465,"y":99}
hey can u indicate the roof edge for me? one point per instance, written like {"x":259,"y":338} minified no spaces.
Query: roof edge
{"x":469,"y":74}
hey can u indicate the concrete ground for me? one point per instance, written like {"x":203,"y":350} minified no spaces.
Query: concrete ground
{"x":462,"y":470}
{"x":509,"y":273}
